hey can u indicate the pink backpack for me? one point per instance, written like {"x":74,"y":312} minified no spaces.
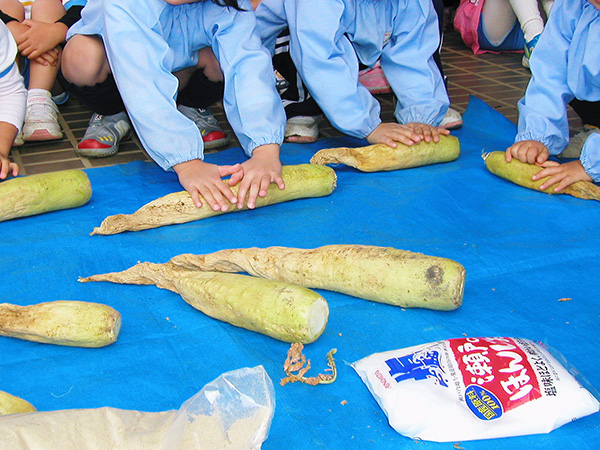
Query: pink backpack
{"x":466,"y":22}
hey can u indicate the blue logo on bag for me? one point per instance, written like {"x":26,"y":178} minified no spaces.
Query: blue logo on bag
{"x":483,"y":403}
{"x":417,"y":366}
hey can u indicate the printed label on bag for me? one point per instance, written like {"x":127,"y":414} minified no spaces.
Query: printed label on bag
{"x":499,"y":365}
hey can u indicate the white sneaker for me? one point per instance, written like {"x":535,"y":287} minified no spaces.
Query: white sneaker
{"x":451,"y":120}
{"x":573,"y":150}
{"x":302,"y":129}
{"x":41,"y":119}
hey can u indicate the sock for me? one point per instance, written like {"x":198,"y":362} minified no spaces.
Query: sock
{"x":529,"y":17}
{"x":38,"y":96}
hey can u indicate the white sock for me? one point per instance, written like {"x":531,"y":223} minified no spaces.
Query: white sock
{"x":38,"y":95}
{"x":529,"y":16}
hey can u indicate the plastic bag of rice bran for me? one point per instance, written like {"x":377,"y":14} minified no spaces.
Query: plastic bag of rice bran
{"x":474,"y":388}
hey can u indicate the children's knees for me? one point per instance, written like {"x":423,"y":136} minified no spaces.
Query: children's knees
{"x":84,"y":61}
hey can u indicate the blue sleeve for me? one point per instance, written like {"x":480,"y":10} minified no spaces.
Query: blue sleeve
{"x":142,"y":62}
{"x":271,"y":21}
{"x":328,"y":64}
{"x":543,"y":109}
{"x":590,"y":156}
{"x":251,"y":101}
{"x":408,"y":64}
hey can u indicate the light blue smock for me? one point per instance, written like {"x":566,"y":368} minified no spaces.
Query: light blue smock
{"x":147,"y":41}
{"x":329,"y":38}
{"x":564,"y":65}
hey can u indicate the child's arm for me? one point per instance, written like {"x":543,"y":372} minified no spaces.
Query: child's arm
{"x":251,"y":101}
{"x":13,"y":97}
{"x":587,"y":168}
{"x":257,"y":174}
{"x":326,"y":61}
{"x":561,"y":175}
{"x":8,"y":132}
{"x":531,"y":152}
{"x":543,"y":109}
{"x":42,"y":37}
{"x":143,"y":71}
{"x":408,"y":64}
{"x":200,"y":178}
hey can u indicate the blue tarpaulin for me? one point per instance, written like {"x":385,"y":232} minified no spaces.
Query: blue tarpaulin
{"x":523,"y":251}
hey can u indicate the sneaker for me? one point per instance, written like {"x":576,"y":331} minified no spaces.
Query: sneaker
{"x":61,"y":99}
{"x":212,"y":134}
{"x":573,"y":150}
{"x":374,"y":80}
{"x":451,"y":120}
{"x":103,"y":135}
{"x":41,"y":120}
{"x":302,"y":129}
{"x":529,"y":46}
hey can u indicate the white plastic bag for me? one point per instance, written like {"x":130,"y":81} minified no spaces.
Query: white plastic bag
{"x":233,"y":412}
{"x":474,"y":388}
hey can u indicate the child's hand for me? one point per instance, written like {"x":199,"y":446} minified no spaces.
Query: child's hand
{"x":17,"y":29}
{"x":562,"y":175}
{"x":391,"y":133}
{"x":531,"y":152}
{"x":200,"y":178}
{"x":7,"y":167}
{"x":40,"y":37}
{"x":427,"y":132}
{"x":259,"y":172}
{"x":50,"y":58}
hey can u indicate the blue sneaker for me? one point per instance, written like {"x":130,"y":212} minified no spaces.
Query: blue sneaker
{"x":529,"y":46}
{"x":103,"y":135}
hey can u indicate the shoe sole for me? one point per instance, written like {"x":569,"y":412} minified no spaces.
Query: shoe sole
{"x":42,"y":135}
{"x":96,"y":152}
{"x":295,"y":139}
{"x":453,"y":125}
{"x":216,"y":143}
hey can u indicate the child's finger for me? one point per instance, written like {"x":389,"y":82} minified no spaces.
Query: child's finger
{"x":195,"y":198}
{"x":224,"y":193}
{"x":215,"y":200}
{"x":3,"y":170}
{"x":278,"y":180}
{"x":242,"y":191}
{"x":235,"y":179}
{"x":252,"y":194}
{"x":551,"y":181}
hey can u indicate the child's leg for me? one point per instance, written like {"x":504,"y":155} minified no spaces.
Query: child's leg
{"x":86,"y":74}
{"x":85,"y":69}
{"x":41,"y":118}
{"x":47,"y":11}
{"x":14,"y":8}
{"x":194,"y":99}
{"x":498,"y":20}
{"x":302,"y":112}
{"x":197,"y":92}
{"x":528,"y":14}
